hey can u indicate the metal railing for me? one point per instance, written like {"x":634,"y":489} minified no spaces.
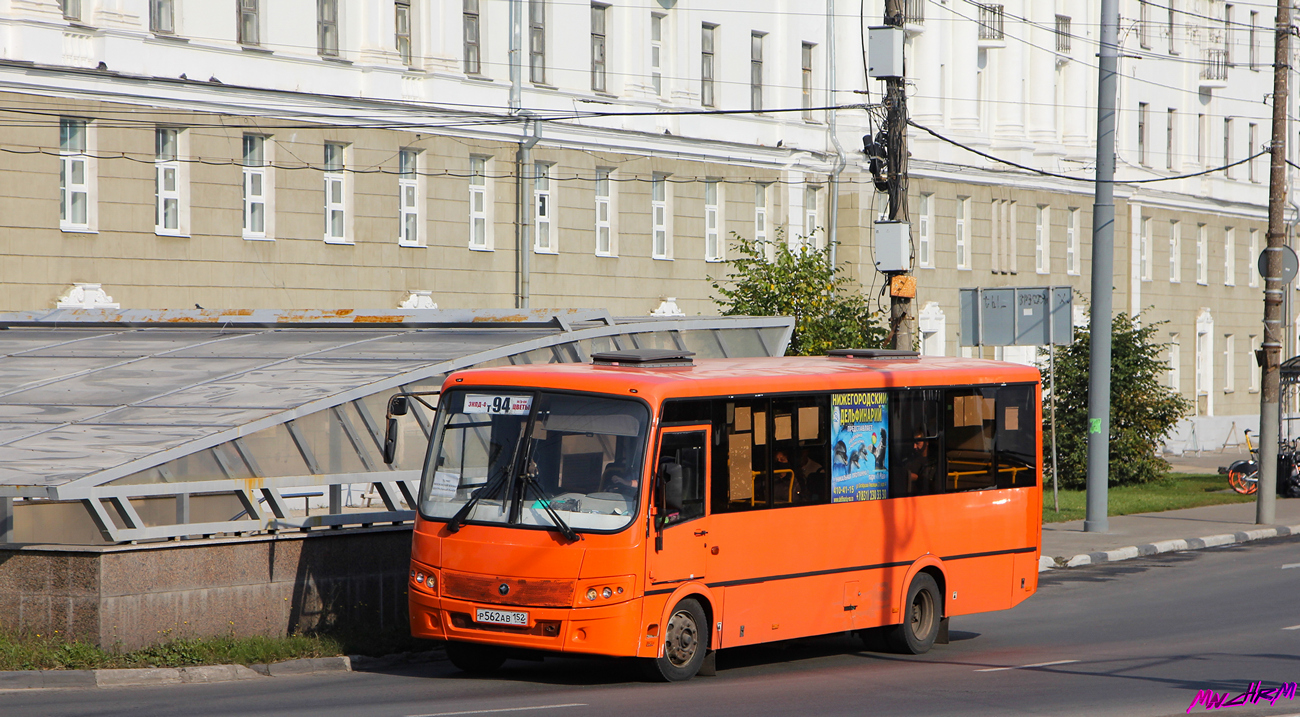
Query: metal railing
{"x":1216,"y":65}
{"x":1062,"y":33}
{"x":990,"y":22}
{"x":914,"y":12}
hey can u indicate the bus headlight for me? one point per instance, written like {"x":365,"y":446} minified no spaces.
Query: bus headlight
{"x":424,"y":579}
{"x":603,"y":591}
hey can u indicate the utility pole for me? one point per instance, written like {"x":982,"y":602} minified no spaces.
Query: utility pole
{"x":1271,"y":350}
{"x":902,"y":288}
{"x":1103,"y":276}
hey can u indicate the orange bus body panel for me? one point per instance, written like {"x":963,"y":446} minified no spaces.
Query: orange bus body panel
{"x":764,"y":575}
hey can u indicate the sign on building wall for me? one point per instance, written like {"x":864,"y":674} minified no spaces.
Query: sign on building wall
{"x":1016,"y":316}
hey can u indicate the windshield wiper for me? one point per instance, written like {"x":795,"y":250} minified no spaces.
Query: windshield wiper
{"x":569,"y":533}
{"x":458,"y":519}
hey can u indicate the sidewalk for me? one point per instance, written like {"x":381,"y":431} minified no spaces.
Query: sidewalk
{"x":1066,"y":545}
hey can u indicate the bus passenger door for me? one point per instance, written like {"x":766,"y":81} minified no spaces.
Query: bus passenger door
{"x":678,"y":494}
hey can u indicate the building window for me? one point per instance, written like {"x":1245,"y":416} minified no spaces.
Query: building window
{"x":1204,"y":362}
{"x":1253,"y":40}
{"x":811,"y":198}
{"x":1202,"y":254}
{"x":712,"y":221}
{"x":1042,"y":240}
{"x":657,"y":52}
{"x":1253,"y":258}
{"x":991,"y":22}
{"x":1072,"y":243}
{"x":1142,"y":133}
{"x":1175,"y":252}
{"x":1251,"y":365}
{"x":336,"y":194}
{"x":1171,"y":121}
{"x":409,"y":198}
{"x":760,"y":212}
{"x":167,"y":181}
{"x":1202,"y":134}
{"x":959,"y":232}
{"x":250,"y":29}
{"x":76,"y":175}
{"x":402,"y":30}
{"x":1230,"y":256}
{"x":1144,"y":249}
{"x":605,"y":239}
{"x":924,"y":240}
{"x":806,"y":72}
{"x":1171,"y":24}
{"x":543,"y":242}
{"x":162,"y":17}
{"x":71,"y":9}
{"x":1229,"y":363}
{"x":707,"y":33}
{"x":471,"y":27}
{"x":1227,"y":147}
{"x":1063,"y":34}
{"x":1252,"y":166}
{"x":1144,"y":24}
{"x":537,"y":41}
{"x":1175,"y":363}
{"x":598,"y":47}
{"x":756,"y":71}
{"x":327,"y":27}
{"x":480,"y":229}
{"x":256,"y":187}
{"x":662,"y":240}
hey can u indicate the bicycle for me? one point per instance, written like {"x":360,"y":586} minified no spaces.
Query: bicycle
{"x":1243,"y":475}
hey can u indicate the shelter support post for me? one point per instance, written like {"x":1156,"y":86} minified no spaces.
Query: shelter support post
{"x":6,"y":520}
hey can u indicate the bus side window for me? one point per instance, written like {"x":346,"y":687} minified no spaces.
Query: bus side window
{"x":681,"y":459}
{"x":969,"y":428}
{"x":800,"y":450}
{"x":1016,"y":437}
{"x":741,"y":480}
{"x":914,"y":443}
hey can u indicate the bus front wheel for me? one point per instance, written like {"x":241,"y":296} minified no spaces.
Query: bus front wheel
{"x":686,"y":641}
{"x":474,"y":658}
{"x":921,"y":617}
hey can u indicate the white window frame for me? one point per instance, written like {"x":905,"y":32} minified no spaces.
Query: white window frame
{"x":338,"y":193}
{"x":544,"y":238}
{"x":708,"y":48}
{"x":162,"y":17}
{"x":1230,"y":256}
{"x":1144,"y":249}
{"x":1227,"y":147}
{"x":657,"y":52}
{"x":1143,"y":125}
{"x":403,"y":32}
{"x":481,"y":199}
{"x":1252,"y":366}
{"x":1229,"y":363}
{"x":71,"y":10}
{"x":762,"y":201}
{"x":606,"y":194}
{"x":756,"y":70}
{"x":812,"y":216}
{"x":249,"y":19}
{"x":1202,"y":254}
{"x":961,"y":238}
{"x":1253,"y":258}
{"x":1205,"y":362}
{"x":472,"y":30}
{"x":713,"y":218}
{"x":924,"y":233}
{"x":257,"y":171}
{"x":1175,"y":363}
{"x":1072,"y":243}
{"x":599,"y":28}
{"x":1171,"y":139}
{"x":661,"y":223}
{"x":806,"y":79}
{"x":410,"y":197}
{"x":536,"y":10}
{"x":1252,"y":166}
{"x":1043,"y":240}
{"x":168,"y":164}
{"x":77,"y":157}
{"x":1175,"y":252}
{"x":327,"y":28}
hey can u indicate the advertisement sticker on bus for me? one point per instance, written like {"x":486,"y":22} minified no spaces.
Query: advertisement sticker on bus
{"x":860,"y":464}
{"x":498,"y":405}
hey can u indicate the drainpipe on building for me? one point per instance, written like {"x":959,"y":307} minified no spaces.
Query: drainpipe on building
{"x":523,"y":208}
{"x":841,"y":159}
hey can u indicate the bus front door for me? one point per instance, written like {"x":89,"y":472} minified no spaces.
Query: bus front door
{"x":679,"y":492}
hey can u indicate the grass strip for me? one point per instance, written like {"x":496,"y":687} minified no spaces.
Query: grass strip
{"x":1178,"y":490}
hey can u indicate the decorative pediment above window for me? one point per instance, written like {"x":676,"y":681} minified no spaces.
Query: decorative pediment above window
{"x":86,"y":296}
{"x":419,"y":299}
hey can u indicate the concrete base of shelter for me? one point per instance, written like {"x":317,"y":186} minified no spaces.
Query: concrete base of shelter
{"x":131,"y":596}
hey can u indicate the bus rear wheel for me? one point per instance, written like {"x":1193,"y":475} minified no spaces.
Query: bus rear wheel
{"x":686,"y":641}
{"x":921,"y":618}
{"x":475,"y":659}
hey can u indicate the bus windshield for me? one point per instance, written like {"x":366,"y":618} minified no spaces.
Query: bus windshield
{"x":517,"y":452}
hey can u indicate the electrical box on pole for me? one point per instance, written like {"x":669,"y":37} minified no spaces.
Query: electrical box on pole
{"x":885,"y":52}
{"x":893,"y":242}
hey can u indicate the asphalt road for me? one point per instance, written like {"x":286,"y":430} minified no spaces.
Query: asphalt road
{"x":1134,"y":638}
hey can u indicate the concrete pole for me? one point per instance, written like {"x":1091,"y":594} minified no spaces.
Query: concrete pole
{"x":1103,"y":276}
{"x":1269,"y":424}
{"x":900,"y":307}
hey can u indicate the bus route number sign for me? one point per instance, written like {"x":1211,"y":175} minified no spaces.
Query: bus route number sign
{"x":498,"y":405}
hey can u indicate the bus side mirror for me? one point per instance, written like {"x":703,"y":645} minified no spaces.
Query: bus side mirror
{"x":397,"y":406}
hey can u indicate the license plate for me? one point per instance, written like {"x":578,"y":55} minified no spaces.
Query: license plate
{"x":502,"y":617}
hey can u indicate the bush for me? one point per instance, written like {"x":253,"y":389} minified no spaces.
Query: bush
{"x":1142,"y":408}
{"x":829,"y":309}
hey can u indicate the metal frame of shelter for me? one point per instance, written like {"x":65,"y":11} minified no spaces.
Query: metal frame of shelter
{"x":303,"y":434}
{"x":1290,"y":399}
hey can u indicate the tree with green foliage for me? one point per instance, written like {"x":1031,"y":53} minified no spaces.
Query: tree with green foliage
{"x":828,"y":307}
{"x":1142,"y":409}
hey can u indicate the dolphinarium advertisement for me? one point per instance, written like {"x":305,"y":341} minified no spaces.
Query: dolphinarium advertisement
{"x":860,"y":464}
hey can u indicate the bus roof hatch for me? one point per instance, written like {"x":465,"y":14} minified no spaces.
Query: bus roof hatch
{"x":643,"y":358}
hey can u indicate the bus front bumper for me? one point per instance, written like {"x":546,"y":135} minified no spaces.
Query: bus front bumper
{"x":606,"y":630}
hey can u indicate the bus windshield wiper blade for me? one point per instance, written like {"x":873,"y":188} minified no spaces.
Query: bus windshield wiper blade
{"x":461,"y":515}
{"x":569,"y":533}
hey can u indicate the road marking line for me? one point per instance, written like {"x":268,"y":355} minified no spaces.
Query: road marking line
{"x":498,"y":711}
{"x":1022,"y":667}
{"x":1291,"y":565}
{"x":1293,"y":627}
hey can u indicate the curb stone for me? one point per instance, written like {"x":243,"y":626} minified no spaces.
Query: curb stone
{"x":1046,"y":563}
{"x":206,"y":674}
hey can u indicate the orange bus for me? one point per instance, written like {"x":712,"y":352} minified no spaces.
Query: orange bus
{"x":648,"y":505}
